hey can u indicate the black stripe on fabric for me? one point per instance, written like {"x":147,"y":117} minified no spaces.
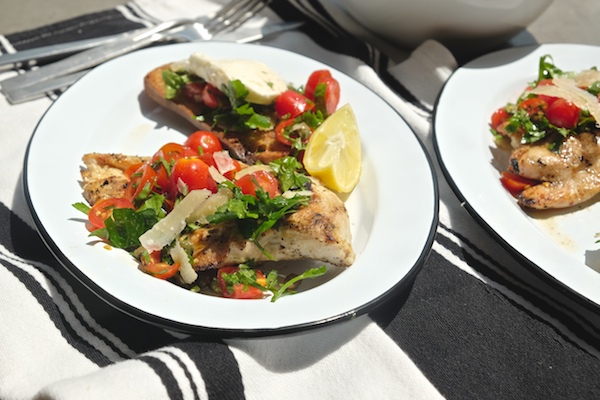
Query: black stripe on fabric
{"x":218,"y":367}
{"x":573,"y":321}
{"x":344,"y":43}
{"x":186,"y":371}
{"x":84,"y":27}
{"x":71,"y":336}
{"x":166,"y":376}
{"x":18,"y":238}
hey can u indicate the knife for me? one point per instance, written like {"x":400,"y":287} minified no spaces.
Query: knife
{"x":21,"y":93}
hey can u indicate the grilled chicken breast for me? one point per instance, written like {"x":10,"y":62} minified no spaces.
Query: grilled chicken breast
{"x":103,"y":175}
{"x":319,"y":231}
{"x":569,"y":176}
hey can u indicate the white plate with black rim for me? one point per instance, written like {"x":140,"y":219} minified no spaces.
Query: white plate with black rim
{"x":106,"y":111}
{"x":559,"y":244}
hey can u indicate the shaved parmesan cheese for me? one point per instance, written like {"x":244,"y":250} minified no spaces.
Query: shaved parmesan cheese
{"x":567,"y":89}
{"x":210,"y":206}
{"x":587,"y":78}
{"x":186,"y":270}
{"x":288,"y":194}
{"x":167,"y":229}
{"x":216,"y":175}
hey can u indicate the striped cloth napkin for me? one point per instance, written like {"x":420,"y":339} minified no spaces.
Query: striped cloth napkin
{"x":476,"y":323}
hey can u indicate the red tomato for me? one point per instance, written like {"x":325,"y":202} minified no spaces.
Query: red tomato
{"x":563,"y":114}
{"x":103,"y":210}
{"x":327,"y":100}
{"x":132,"y":168}
{"x":292,"y":103}
{"x":533,"y":105}
{"x":280,"y":130}
{"x":498,"y":117}
{"x":263,"y":179}
{"x":239,"y":290}
{"x":143,"y":178}
{"x":161,"y":270}
{"x":313,"y":80}
{"x":194,"y":173}
{"x":332,"y":94}
{"x":172,"y":151}
{"x":211,"y":96}
{"x":193,"y":91}
{"x":515,"y":184}
{"x":205,"y":140}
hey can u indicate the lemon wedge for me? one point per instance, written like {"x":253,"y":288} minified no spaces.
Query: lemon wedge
{"x":333,"y":153}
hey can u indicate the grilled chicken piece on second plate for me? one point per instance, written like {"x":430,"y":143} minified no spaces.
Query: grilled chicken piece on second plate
{"x":569,"y":176}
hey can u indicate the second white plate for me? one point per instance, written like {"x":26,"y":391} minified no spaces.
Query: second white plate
{"x":561,"y":243}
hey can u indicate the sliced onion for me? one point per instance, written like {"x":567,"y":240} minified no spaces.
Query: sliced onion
{"x":253,"y":168}
{"x":186,"y":270}
{"x":167,"y":229}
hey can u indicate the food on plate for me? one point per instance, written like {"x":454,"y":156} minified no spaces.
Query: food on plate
{"x":244,"y":102}
{"x":553,"y":134}
{"x":205,"y":214}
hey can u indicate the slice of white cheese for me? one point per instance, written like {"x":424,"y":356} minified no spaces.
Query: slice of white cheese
{"x":263,"y":84}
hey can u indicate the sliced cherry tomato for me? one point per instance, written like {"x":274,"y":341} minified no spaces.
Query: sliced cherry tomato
{"x":205,"y":140}
{"x":280,"y":131}
{"x":142,"y":179}
{"x":313,"y":80}
{"x":563,"y":114}
{"x":331,"y":97}
{"x":172,"y":152}
{"x":498,"y":117}
{"x":161,"y":270}
{"x":263,"y":179}
{"x":103,"y":210}
{"x":533,"y":105}
{"x":240,"y":290}
{"x":132,"y":168}
{"x":211,"y":96}
{"x":193,"y":91}
{"x":193,"y":172}
{"x":515,"y":184}
{"x":292,"y":104}
{"x":324,"y":90}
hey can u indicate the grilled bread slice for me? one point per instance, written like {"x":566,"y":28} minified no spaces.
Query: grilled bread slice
{"x":248,"y":146}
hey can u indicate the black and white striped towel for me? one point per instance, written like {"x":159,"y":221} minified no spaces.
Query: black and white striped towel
{"x":476,"y":323}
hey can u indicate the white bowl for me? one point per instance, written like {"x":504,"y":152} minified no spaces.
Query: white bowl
{"x":475,"y":23}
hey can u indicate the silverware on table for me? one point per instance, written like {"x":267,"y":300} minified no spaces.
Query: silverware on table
{"x":230,"y":17}
{"x":39,"y":89}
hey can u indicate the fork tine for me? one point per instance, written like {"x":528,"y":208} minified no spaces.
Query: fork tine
{"x":237,"y":13}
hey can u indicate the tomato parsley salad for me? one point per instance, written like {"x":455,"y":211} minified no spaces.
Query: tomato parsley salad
{"x":256,"y":201}
{"x":549,"y":108}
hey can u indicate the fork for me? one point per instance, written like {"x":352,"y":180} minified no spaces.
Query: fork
{"x":227,"y":18}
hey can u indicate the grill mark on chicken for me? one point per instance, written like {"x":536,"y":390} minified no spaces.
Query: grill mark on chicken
{"x":103,"y":175}
{"x":569,"y":176}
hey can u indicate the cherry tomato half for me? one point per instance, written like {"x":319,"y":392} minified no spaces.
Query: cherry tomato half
{"x":533,"y":105}
{"x":193,"y":172}
{"x":263,"y":179}
{"x":292,"y":103}
{"x":280,"y":131}
{"x":498,"y":117}
{"x":205,"y":140}
{"x":515,"y":184}
{"x":142,"y":179}
{"x":563,"y":114}
{"x":313,"y":80}
{"x":161,"y":270}
{"x":103,"y":210}
{"x":239,"y":290}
